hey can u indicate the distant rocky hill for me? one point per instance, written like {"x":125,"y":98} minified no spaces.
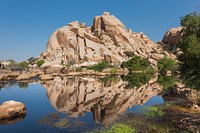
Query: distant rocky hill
{"x":107,"y":39}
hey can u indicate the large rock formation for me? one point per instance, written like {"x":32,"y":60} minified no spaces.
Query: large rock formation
{"x":106,"y":100}
{"x":107,"y":39}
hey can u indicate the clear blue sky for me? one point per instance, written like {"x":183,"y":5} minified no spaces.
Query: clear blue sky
{"x":26,"y":25}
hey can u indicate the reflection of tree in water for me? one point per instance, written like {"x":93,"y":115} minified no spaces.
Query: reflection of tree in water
{"x":7,"y":85}
{"x":23,"y":85}
{"x":108,"y":80}
{"x":136,"y":79}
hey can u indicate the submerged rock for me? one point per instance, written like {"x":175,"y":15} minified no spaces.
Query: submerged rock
{"x":11,"y":110}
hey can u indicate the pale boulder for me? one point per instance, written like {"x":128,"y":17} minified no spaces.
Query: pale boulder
{"x":11,"y":109}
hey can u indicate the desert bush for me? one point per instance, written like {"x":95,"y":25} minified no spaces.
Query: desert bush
{"x":100,"y":66}
{"x":136,"y":63}
{"x":166,"y":64}
{"x":40,"y":63}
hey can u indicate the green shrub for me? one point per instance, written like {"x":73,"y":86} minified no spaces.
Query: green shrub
{"x":154,"y":112}
{"x":100,"y":66}
{"x":150,"y":71}
{"x":166,"y":64}
{"x":23,"y":64}
{"x":136,"y":63}
{"x":118,"y":128}
{"x":40,"y":63}
{"x":78,"y":69}
{"x":158,"y":129}
{"x":114,"y":70}
{"x":166,"y":81}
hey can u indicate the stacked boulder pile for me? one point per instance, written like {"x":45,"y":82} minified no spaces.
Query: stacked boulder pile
{"x":106,"y":40}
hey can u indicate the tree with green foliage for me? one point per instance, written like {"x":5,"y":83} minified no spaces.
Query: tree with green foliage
{"x":190,"y":46}
{"x":166,"y":81}
{"x":136,"y":64}
{"x":166,"y":64}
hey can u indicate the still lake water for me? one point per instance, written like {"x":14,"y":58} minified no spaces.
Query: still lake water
{"x":75,"y":104}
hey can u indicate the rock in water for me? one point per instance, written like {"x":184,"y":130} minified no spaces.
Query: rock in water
{"x":107,"y":39}
{"x":11,"y":109}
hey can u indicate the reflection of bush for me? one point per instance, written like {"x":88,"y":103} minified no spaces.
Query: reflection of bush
{"x":108,"y":80}
{"x":166,"y":81}
{"x":23,"y":85}
{"x":136,"y":79}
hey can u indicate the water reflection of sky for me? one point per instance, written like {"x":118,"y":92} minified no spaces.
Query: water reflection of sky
{"x":153,"y":101}
{"x":39,"y":107}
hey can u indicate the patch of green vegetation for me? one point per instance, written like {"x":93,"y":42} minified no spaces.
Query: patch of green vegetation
{"x":78,"y":69}
{"x":23,"y":64}
{"x":136,"y":64}
{"x":40,"y":63}
{"x":166,"y":64}
{"x":154,"y":112}
{"x":23,"y":85}
{"x":158,"y":129}
{"x":166,"y":81}
{"x":108,"y":79}
{"x":136,"y":79}
{"x":114,"y":70}
{"x":117,"y":128}
{"x":100,"y":66}
{"x":190,"y":46}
